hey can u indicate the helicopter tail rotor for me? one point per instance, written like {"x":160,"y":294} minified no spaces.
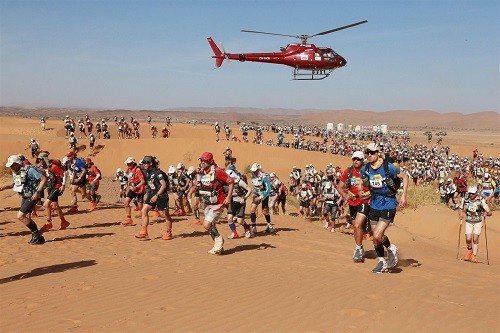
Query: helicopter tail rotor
{"x":224,"y":52}
{"x":218,"y":54}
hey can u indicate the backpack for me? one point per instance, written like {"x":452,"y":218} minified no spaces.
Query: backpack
{"x":393,"y":184}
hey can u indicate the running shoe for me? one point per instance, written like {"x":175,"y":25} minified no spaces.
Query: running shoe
{"x":197,"y":222}
{"x":167,"y":236}
{"x":156,"y":214}
{"x":269,"y":229}
{"x":381,"y":267}
{"x":128,"y":221}
{"x":64,"y":224}
{"x":36,"y":238}
{"x":468,"y":255}
{"x":392,"y":256}
{"x":359,"y":255}
{"x":46,"y":227}
{"x":473,"y":259}
{"x":233,"y":235}
{"x":33,"y":213}
{"x":218,"y":243}
{"x":98,"y":198}
{"x":248,"y":233}
{"x":142,"y":236}
{"x":254,"y":230}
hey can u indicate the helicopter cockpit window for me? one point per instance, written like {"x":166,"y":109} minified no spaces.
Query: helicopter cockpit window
{"x":328,"y":54}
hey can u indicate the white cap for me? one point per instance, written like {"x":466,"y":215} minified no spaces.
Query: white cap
{"x":272,"y":174}
{"x":191,"y":169}
{"x":255,"y":167}
{"x":65,"y":160}
{"x":171,"y":169}
{"x":129,"y":160}
{"x":358,"y":154}
{"x":328,"y":185}
{"x":373,"y":147}
{"x":180,"y":166}
{"x":119,"y":170}
{"x":13,"y":159}
{"x":486,"y":175}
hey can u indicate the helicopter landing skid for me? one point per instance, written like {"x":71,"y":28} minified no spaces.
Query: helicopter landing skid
{"x":311,"y":74}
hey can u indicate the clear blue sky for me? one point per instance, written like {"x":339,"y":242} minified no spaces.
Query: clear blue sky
{"x":427,"y":54}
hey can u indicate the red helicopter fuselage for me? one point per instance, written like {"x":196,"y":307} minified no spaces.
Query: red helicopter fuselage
{"x":299,"y":56}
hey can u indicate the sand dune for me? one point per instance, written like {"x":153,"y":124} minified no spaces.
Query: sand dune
{"x":95,"y":276}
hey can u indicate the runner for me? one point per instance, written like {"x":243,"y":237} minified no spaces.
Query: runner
{"x":228,"y":156}
{"x":358,"y":201}
{"x":304,"y":196}
{"x":472,"y":208}
{"x":42,"y":123}
{"x":29,"y":182}
{"x":73,"y":142}
{"x":210,"y":188}
{"x":260,"y":189}
{"x":179,"y":182}
{"x":330,"y":196}
{"x":93,"y":178}
{"x":122,"y":178}
{"x":135,"y":188}
{"x":92,"y":141}
{"x":35,"y":148}
{"x":281,"y":198}
{"x":156,"y":195}
{"x":273,"y":195}
{"x":78,"y":168}
{"x":56,"y":183}
{"x":381,"y":179}
{"x":217,"y":131}
{"x":236,"y":209}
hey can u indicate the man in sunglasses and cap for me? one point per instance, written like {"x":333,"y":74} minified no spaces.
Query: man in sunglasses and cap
{"x":380,"y":175}
{"x":156,"y":196}
{"x":29,"y":182}
{"x":358,"y":201}
{"x":210,"y":187}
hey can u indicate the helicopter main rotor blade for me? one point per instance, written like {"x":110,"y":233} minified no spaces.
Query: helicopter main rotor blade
{"x":337,"y":29}
{"x":268,"y":33}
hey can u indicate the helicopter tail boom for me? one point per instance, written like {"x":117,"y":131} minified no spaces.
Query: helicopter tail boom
{"x":219,"y":56}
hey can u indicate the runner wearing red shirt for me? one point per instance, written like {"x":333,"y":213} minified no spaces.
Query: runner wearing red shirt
{"x":359,"y":203}
{"x":210,"y":188}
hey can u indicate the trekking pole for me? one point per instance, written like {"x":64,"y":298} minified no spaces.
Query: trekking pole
{"x":459,"y":233}
{"x":486,"y":239}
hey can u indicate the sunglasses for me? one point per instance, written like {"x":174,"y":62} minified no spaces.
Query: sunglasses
{"x":357,"y":159}
{"x":369,"y":152}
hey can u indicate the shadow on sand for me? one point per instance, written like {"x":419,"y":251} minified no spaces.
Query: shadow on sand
{"x":58,"y":268}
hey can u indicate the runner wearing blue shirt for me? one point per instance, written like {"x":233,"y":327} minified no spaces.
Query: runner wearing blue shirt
{"x":383,"y":204}
{"x":29,"y":182}
{"x":261,"y":188}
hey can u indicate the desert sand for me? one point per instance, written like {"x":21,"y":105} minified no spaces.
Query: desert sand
{"x":96,"y":277}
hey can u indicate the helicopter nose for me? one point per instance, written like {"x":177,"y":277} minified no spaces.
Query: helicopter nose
{"x":341,"y":62}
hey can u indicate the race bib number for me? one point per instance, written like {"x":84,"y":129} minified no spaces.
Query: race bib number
{"x":472,"y":207}
{"x":376,"y":182}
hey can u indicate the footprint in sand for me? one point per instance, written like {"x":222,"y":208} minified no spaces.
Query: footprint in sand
{"x":354,"y":313}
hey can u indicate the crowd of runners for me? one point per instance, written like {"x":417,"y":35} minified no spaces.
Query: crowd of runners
{"x":366,"y":193}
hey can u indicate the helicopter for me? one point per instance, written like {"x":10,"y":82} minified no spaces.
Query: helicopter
{"x":308,"y":61}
